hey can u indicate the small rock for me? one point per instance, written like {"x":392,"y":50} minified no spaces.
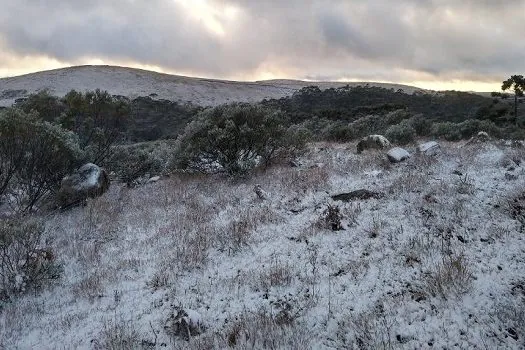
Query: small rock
{"x":154,"y":179}
{"x":429,"y":148}
{"x":397,"y":154}
{"x":261,"y":194}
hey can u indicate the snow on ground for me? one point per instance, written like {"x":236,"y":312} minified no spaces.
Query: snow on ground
{"x":437,"y":262}
{"x":136,"y":82}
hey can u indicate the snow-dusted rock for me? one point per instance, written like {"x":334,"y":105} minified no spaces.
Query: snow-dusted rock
{"x":482,"y":136}
{"x":262,"y":194}
{"x":429,"y":148}
{"x":88,"y":181}
{"x":397,"y":154}
{"x":372,"y":142}
{"x":154,"y":179}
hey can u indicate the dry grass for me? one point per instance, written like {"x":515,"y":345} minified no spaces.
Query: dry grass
{"x":451,"y":277}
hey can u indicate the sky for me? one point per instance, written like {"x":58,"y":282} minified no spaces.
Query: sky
{"x":435,"y":44}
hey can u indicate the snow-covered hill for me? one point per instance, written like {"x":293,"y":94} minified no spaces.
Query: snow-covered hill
{"x":136,"y":82}
{"x":435,"y":261}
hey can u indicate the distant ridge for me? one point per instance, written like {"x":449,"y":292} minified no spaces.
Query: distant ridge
{"x":132,"y":82}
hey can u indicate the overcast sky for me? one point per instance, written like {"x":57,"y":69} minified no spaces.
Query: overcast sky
{"x":461,"y":44}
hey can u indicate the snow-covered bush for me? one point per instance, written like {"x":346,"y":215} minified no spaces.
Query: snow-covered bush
{"x":236,"y":138}
{"x":402,"y":133}
{"x":34,"y":157}
{"x":23,"y":265}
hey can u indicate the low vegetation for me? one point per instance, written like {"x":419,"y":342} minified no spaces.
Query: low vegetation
{"x":310,"y":245}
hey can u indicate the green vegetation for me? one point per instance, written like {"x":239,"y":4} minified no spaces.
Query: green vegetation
{"x":237,"y":137}
{"x":34,"y":156}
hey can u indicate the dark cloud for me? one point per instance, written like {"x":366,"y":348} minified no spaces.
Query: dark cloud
{"x":376,"y":39}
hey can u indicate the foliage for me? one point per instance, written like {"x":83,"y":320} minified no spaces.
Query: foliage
{"x":131,"y":162}
{"x":402,"y":133}
{"x":98,"y":118}
{"x":23,"y":266}
{"x":237,"y":137}
{"x":34,"y":156}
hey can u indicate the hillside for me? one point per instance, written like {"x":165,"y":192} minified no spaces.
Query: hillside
{"x":133,"y":83}
{"x":434,"y":261}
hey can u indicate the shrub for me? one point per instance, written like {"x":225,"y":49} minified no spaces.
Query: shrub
{"x":131,"y":162}
{"x":23,"y":265}
{"x":236,"y":138}
{"x":402,"y":133}
{"x":34,"y":156}
{"x":447,"y":130}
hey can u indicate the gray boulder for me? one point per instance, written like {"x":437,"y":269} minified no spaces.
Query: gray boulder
{"x":88,"y":181}
{"x":397,"y":154}
{"x":429,"y":148}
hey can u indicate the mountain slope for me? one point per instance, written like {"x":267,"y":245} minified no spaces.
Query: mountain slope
{"x":136,"y":82}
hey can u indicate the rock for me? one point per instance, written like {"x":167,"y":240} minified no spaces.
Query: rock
{"x":260,"y":192}
{"x":397,"y":154}
{"x":429,"y":148}
{"x":154,"y":179}
{"x":88,"y":181}
{"x":372,"y":142}
{"x":482,"y":136}
{"x":361,"y":194}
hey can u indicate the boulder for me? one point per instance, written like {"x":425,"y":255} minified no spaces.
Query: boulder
{"x":88,"y":181}
{"x":482,"y":136}
{"x":429,"y":148}
{"x":397,"y":154}
{"x":372,"y":142}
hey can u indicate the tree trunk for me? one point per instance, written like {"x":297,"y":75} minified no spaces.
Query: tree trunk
{"x":516,"y":107}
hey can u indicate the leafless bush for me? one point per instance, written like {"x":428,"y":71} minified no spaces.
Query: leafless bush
{"x":515,"y":206}
{"x":278,"y":274}
{"x":262,"y":330}
{"x":23,"y":265}
{"x":450,"y":277}
{"x":465,"y":185}
{"x":118,"y":334}
{"x":331,"y":218}
{"x":366,"y":330}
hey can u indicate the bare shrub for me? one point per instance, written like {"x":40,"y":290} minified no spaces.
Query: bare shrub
{"x":465,"y":185}
{"x":278,"y":274}
{"x":331,"y":218}
{"x":515,"y":206}
{"x":366,"y":330}
{"x":23,"y":265}
{"x":262,"y":330}
{"x":118,"y":334}
{"x":450,"y":277}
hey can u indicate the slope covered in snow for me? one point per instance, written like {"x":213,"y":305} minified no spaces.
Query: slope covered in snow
{"x":434,"y":261}
{"x":132,"y":83}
